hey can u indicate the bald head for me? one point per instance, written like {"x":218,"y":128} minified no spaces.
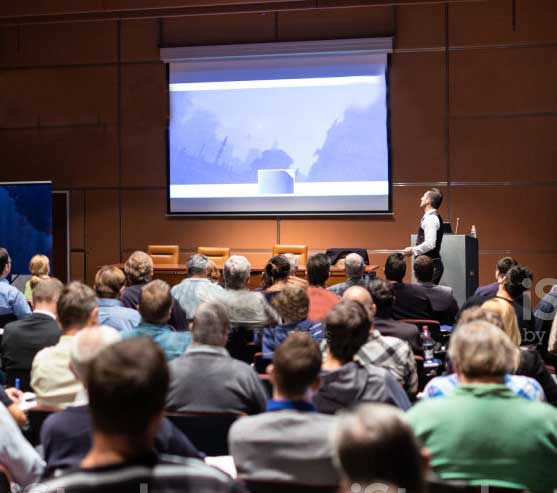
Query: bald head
{"x":359,"y":293}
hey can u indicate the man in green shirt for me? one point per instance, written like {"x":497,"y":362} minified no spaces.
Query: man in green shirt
{"x":483,"y":433}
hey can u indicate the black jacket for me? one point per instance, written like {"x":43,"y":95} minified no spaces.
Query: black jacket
{"x":444,"y":304}
{"x":411,"y":302}
{"x":532,"y":365}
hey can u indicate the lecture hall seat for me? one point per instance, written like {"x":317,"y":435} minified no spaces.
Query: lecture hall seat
{"x":301,"y":251}
{"x":219,"y":255}
{"x":164,"y":254}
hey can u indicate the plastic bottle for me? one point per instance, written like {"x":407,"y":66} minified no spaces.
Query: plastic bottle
{"x":428,"y":344}
{"x":473,"y":232}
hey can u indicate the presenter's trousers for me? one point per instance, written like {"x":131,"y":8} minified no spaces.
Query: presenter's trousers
{"x":438,"y":270}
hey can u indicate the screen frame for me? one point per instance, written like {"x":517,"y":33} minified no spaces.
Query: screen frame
{"x":349,"y":46}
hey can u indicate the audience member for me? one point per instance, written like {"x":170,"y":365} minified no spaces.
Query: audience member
{"x":290,"y":442}
{"x":12,"y":302}
{"x":374,"y":445}
{"x":383,"y":296}
{"x":354,"y":267}
{"x":109,"y":286}
{"x":51,"y":377}
{"x":275,"y":276}
{"x":20,"y":459}
{"x":127,"y":384}
{"x":293,"y":278}
{"x":213,"y":273}
{"x":206,"y":378}
{"x":443,"y":302}
{"x":155,"y":304}
{"x":23,"y":339}
{"x":11,"y":397}
{"x":410,"y":300}
{"x":321,"y":301}
{"x":197,"y":288}
{"x":391,"y":353}
{"x":544,"y":316}
{"x":139,"y":271}
{"x":39,"y":267}
{"x":501,"y":268}
{"x":66,"y":435}
{"x":345,"y":382}
{"x":292,"y":304}
{"x":244,"y":306}
{"x":483,"y":433}
{"x":522,"y":386}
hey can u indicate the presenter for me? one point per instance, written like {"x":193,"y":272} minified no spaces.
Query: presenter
{"x":430,"y":234}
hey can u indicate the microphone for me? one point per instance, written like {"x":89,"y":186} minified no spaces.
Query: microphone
{"x":457,"y":223}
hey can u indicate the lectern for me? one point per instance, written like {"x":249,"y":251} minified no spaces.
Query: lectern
{"x":460,"y":258}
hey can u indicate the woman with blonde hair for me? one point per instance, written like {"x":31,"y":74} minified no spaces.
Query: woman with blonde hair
{"x":530,"y":362}
{"x":39,"y":267}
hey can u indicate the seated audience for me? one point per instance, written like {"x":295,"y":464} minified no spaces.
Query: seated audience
{"x":244,"y":306}
{"x":51,"y":377}
{"x":529,"y":362}
{"x":354,"y":267}
{"x":155,"y":305}
{"x":375,"y":446}
{"x":197,"y":288}
{"x":39,"y":267}
{"x":321,"y":301}
{"x":544,"y":316}
{"x":552,"y":345}
{"x":443,"y":302}
{"x":213,"y":273}
{"x":109,"y":286}
{"x":127,"y":384}
{"x":521,"y":385}
{"x":387,"y":352}
{"x":345,"y":382}
{"x":290,"y":442}
{"x":23,"y":339}
{"x":383,"y":296}
{"x":11,"y":398}
{"x":292,"y":304}
{"x":411,"y":301}
{"x":502,"y":267}
{"x":12,"y":302}
{"x":66,"y":435}
{"x":20,"y":459}
{"x":483,"y":433}
{"x":275,"y":276}
{"x":293,"y":277}
{"x":206,"y":378}
{"x":139,"y":271}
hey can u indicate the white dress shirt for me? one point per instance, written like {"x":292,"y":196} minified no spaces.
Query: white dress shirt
{"x":430,"y":223}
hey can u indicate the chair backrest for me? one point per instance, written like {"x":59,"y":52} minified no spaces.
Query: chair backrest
{"x":36,"y":417}
{"x":207,"y":431}
{"x":24,"y":377}
{"x":6,"y":319}
{"x":219,"y":255}
{"x":301,"y":251}
{"x":5,"y":480}
{"x":164,"y":254}
{"x":287,"y":487}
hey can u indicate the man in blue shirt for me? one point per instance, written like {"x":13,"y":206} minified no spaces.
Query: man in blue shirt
{"x":155,"y":305}
{"x":109,"y":286}
{"x":12,"y":302}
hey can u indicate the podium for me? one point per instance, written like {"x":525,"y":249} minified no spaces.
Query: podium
{"x":460,"y":259}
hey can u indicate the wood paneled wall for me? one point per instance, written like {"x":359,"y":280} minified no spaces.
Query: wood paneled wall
{"x":473,"y":110}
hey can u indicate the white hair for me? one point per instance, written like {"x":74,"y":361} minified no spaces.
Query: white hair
{"x":87,"y":343}
{"x":354,"y":265}
{"x":236,"y":272}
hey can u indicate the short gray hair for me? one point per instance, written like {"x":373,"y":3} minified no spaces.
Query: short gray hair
{"x":197,"y":264}
{"x":293,"y":260}
{"x":236,"y":272}
{"x":210,"y":325}
{"x":354,"y":265}
{"x":480,"y":349}
{"x":87,"y":343}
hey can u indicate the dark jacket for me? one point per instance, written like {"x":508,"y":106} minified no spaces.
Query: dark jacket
{"x":532,"y":365}
{"x":23,"y":339}
{"x":402,"y":330}
{"x":488,"y":291}
{"x":443,"y":302}
{"x":411,"y":302}
{"x":353,"y":383}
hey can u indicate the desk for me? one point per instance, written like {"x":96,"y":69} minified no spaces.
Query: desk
{"x":174,"y":273}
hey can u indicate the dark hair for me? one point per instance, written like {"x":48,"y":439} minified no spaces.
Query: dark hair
{"x":504,"y":264}
{"x":517,"y":280}
{"x":395,"y":267}
{"x":347,"y":329}
{"x":296,"y":364}
{"x":47,"y":290}
{"x":109,"y":280}
{"x":277,"y":269}
{"x":155,"y":302}
{"x":4,"y":259}
{"x":127,"y":384}
{"x":423,"y":268}
{"x":366,"y":441}
{"x":435,"y":197}
{"x":75,"y":305}
{"x":318,"y":267}
{"x":383,"y":296}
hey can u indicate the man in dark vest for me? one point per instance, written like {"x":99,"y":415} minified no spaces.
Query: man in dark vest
{"x":430,"y":234}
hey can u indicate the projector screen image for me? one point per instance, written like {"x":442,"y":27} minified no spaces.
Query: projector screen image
{"x":285,"y":137}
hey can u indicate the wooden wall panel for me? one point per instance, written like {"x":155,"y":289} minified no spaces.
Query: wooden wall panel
{"x":140,"y":40}
{"x":37,"y":7}
{"x":144,"y":155}
{"x":514,"y":80}
{"x":418,"y":112}
{"x":77,"y":266}
{"x":536,"y":20}
{"x":503,"y":149}
{"x":411,"y":22}
{"x":77,"y":220}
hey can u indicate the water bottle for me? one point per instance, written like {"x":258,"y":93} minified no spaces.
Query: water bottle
{"x":473,"y":232}
{"x":427,"y":343}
